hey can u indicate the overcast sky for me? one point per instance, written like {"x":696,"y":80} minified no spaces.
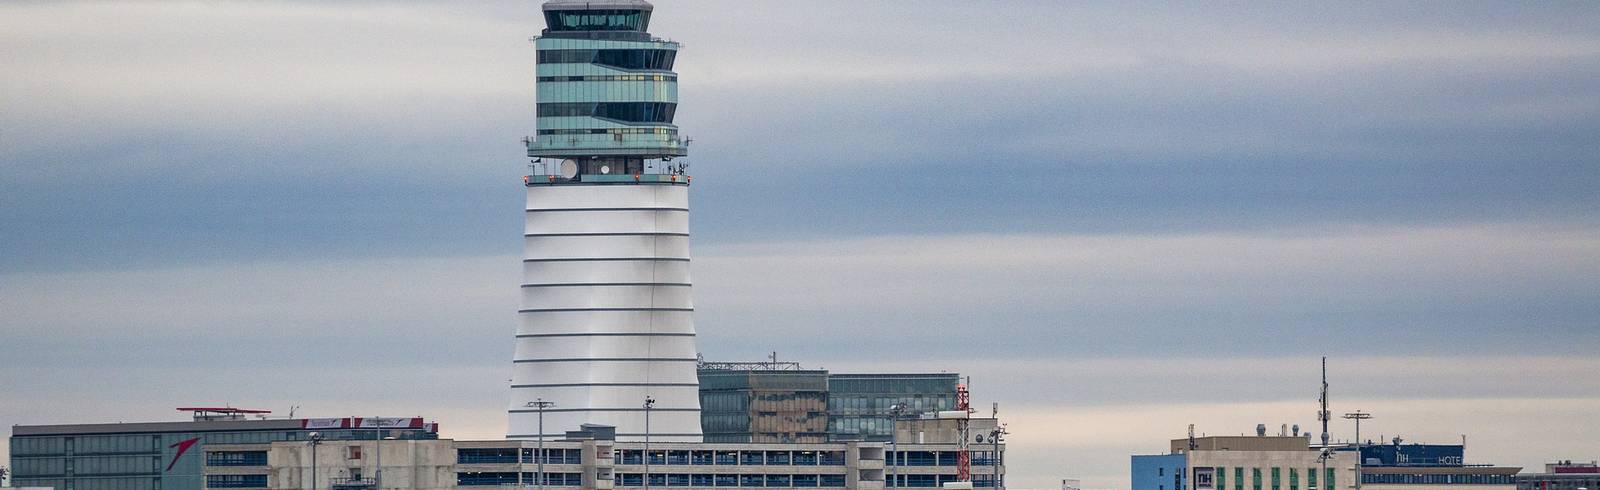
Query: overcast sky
{"x":1118,"y":218}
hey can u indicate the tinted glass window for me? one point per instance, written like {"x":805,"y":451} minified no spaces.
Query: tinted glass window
{"x":660,"y":112}
{"x":631,"y":59}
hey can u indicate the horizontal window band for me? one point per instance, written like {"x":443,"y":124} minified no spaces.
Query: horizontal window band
{"x":605,"y":284}
{"x":546,"y":310}
{"x":611,"y":78}
{"x":551,"y":210}
{"x":610,"y":359}
{"x":602,"y":334}
{"x":621,"y":234}
{"x":638,"y":409}
{"x":574,"y":385}
{"x":619,"y":434}
{"x":610,"y":259}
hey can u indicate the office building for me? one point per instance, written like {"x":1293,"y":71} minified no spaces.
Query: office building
{"x":1243,"y":463}
{"x":763,"y":402}
{"x":859,"y":405}
{"x":172,"y":455}
{"x":606,"y":333}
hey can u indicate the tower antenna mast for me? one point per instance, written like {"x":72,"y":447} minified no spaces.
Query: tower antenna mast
{"x":1323,"y":415}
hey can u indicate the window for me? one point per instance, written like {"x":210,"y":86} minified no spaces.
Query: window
{"x":236,"y":481}
{"x":727,"y":457}
{"x":830,"y":481}
{"x":1255,"y":478}
{"x":489,"y":455}
{"x":1222,"y":478}
{"x":597,"y":20}
{"x":627,"y":59}
{"x":1294,"y":479}
{"x":1311,"y":479}
{"x":660,"y":112}
{"x":236,"y":458}
{"x":1238,"y":478}
{"x":751,"y":458}
{"x":352,"y":452}
{"x":777,"y":480}
{"x":1275,"y":479}
{"x":727,"y":480}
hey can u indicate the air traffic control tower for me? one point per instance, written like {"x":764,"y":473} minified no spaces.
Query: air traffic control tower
{"x":606,"y":322}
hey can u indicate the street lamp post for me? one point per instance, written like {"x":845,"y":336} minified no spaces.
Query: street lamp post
{"x":894,"y":446}
{"x":539,"y":404}
{"x":1358,"y":416}
{"x":316,"y":439}
{"x":377,"y":440}
{"x":649,"y":403}
{"x":995,"y":459}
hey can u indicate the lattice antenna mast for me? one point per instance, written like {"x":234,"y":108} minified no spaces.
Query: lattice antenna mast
{"x":1323,"y":415}
{"x":963,"y":429}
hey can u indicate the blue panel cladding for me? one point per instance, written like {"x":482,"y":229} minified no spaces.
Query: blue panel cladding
{"x":1158,"y":472}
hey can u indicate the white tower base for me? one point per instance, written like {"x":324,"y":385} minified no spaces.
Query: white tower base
{"x":607,"y":317}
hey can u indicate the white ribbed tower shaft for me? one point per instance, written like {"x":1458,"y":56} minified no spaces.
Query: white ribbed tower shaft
{"x":606,"y":316}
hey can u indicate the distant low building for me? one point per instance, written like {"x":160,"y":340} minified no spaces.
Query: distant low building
{"x":173,"y":455}
{"x":1243,"y":463}
{"x":1562,"y":475}
{"x":587,"y":460}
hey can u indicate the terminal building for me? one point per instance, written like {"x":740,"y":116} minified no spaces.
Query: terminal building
{"x":174,"y":455}
{"x":591,"y":459}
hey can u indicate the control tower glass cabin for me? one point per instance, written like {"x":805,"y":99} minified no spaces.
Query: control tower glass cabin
{"x":607,"y":95}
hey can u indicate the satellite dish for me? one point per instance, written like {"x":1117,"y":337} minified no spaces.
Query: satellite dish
{"x":569,"y":168}
{"x":605,"y":169}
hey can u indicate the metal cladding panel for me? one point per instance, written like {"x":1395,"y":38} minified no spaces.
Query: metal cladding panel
{"x":613,"y":271}
{"x":552,"y":323}
{"x":613,"y":397}
{"x":576,"y":372}
{"x":618,"y":346}
{"x":605,"y":247}
{"x":606,"y":320}
{"x":634,"y":220}
{"x":608,"y":297}
{"x":608,"y":196}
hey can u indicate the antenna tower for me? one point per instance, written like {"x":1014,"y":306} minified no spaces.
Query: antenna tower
{"x":963,"y":427}
{"x":1323,"y":415}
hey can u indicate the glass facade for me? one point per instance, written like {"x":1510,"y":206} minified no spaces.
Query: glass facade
{"x":859,"y":404}
{"x":597,"y":20}
{"x":763,"y":405}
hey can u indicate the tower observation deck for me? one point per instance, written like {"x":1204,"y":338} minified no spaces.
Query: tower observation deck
{"x":606,"y":313}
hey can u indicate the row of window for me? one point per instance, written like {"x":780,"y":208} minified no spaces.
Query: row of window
{"x":612,"y":78}
{"x":1413,"y":479}
{"x":1276,"y":478}
{"x":723,"y":480}
{"x":670,"y":131}
{"x":731,"y":458}
{"x":509,"y":455}
{"x":236,"y":458}
{"x":627,"y":59}
{"x":510,"y":478}
{"x":659,"y":112}
{"x":597,"y":20}
{"x":236,"y":481}
{"x":929,"y":481}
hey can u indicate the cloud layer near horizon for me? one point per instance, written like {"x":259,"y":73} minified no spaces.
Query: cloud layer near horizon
{"x":1097,"y":195}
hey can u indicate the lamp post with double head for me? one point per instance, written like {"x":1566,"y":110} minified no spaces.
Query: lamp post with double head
{"x":649,"y":403}
{"x":1357,"y":416}
{"x":539,"y":405}
{"x":316,"y":439}
{"x":894,"y":447}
